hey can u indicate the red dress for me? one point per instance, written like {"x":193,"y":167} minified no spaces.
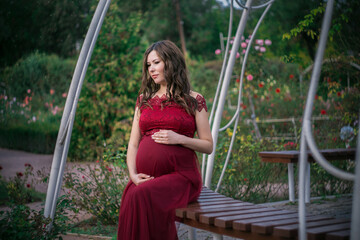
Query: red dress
{"x":147,"y":211}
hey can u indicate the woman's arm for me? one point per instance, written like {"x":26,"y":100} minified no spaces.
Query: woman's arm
{"x":203,"y":144}
{"x":136,"y":178}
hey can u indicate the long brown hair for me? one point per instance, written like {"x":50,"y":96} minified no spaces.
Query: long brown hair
{"x":176,"y":77}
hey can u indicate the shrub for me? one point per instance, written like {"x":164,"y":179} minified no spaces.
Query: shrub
{"x":36,"y":137}
{"x":19,"y":221}
{"x":99,"y":187}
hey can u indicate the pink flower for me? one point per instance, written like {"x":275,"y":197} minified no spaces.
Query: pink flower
{"x":249,"y":77}
{"x":52,"y":91}
{"x":257,"y":48}
{"x":259,"y":41}
{"x":268,"y":42}
{"x":247,"y":40}
{"x":217,"y":51}
{"x":242,"y":38}
{"x":29,"y":91}
{"x":237,"y":55}
{"x":262,"y":49}
{"x":64,"y":95}
{"x":243,"y":51}
{"x":231,"y":41}
{"x":243,"y":44}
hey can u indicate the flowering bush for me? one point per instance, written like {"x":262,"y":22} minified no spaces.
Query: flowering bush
{"x":99,"y":187}
{"x":19,"y":221}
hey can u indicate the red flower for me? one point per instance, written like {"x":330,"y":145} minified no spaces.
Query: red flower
{"x":0,"y":167}
{"x":243,"y":106}
{"x":19,"y":174}
{"x":255,"y":96}
{"x":339,"y":94}
{"x":277,"y":90}
{"x":237,"y":80}
{"x":28,"y":165}
{"x":316,"y":97}
{"x":83,"y":177}
{"x":28,"y":185}
{"x":291,"y":76}
{"x":245,"y":179}
{"x":323,"y":112}
{"x":52,"y":91}
{"x":261,"y":85}
{"x":109,"y":169}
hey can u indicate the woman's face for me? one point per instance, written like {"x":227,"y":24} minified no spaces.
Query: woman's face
{"x":155,"y":67}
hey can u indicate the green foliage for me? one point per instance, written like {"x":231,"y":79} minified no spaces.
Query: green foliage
{"x":109,"y":94}
{"x":47,"y":26}
{"x":246,"y":177}
{"x":19,"y":190}
{"x":94,"y":227}
{"x":21,"y":222}
{"x":99,"y":187}
{"x":35,"y":76}
{"x":36,"y":137}
{"x":306,"y":25}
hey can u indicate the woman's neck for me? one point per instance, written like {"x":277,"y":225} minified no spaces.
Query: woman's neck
{"x":162,"y":90}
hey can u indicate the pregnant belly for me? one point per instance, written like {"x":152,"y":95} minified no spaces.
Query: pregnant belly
{"x":158,"y":159}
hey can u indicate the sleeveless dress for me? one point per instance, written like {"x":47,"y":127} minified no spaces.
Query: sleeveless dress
{"x":147,"y":211}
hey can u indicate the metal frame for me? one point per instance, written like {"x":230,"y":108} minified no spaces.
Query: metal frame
{"x":308,"y":142}
{"x":67,"y":120}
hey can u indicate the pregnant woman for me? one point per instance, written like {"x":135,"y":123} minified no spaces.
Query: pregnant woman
{"x":163,"y":167}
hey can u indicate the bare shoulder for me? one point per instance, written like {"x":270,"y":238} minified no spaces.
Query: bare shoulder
{"x":195,"y":94}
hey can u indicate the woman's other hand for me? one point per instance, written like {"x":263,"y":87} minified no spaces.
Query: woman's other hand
{"x":167,"y":137}
{"x":140,"y":178}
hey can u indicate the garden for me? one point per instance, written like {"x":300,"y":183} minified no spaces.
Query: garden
{"x":35,"y":79}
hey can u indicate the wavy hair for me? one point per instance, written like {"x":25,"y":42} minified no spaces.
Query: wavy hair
{"x":176,"y":77}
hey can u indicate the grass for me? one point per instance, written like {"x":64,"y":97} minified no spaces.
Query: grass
{"x":93,"y":227}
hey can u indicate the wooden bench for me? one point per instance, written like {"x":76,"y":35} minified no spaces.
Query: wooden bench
{"x":291,"y":157}
{"x":219,"y":214}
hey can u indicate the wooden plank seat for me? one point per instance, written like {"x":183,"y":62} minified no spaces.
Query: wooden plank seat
{"x":219,"y":214}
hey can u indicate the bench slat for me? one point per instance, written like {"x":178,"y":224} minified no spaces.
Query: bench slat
{"x":226,"y":216}
{"x":290,"y":231}
{"x":248,"y":224}
{"x":267,"y":227}
{"x":194,"y":214}
{"x":226,"y":222}
{"x":320,"y":232}
{"x":339,"y":235}
{"x":182,"y":212}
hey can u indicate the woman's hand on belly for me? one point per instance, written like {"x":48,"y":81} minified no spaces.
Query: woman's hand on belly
{"x":140,"y":178}
{"x":167,"y":137}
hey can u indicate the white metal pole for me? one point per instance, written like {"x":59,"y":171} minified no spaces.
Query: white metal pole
{"x":223,"y":93}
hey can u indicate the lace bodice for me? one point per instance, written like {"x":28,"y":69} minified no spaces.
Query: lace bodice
{"x":171,"y":117}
